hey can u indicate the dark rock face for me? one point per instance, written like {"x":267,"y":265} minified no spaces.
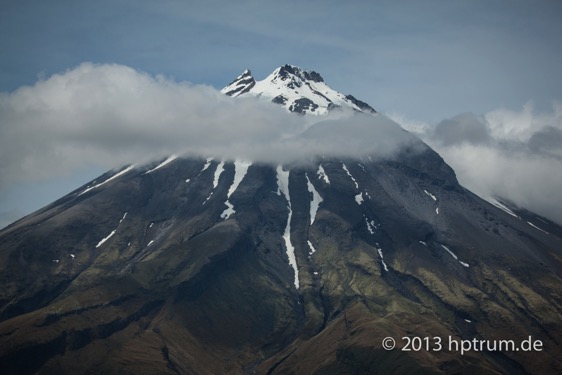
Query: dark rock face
{"x":181,"y":271}
{"x":303,"y":105}
{"x":279,"y":99}
{"x":364,"y":106}
{"x":286,"y":71}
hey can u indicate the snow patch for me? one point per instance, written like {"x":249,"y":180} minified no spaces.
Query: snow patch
{"x":228,"y":211}
{"x":437,"y":210}
{"x":283,"y":184}
{"x":72,"y":256}
{"x":218,"y":172}
{"x":207,"y":165}
{"x":123,"y":218}
{"x":150,"y":243}
{"x":240,"y":170}
{"x":316,"y":200}
{"x":371,"y":227}
{"x":423,"y":243}
{"x":359,"y":198}
{"x":322,"y":174}
{"x":312,"y":249}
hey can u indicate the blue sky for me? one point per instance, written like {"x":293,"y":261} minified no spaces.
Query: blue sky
{"x":419,"y":61}
{"x":428,"y":59}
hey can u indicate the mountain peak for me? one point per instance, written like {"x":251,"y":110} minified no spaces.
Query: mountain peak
{"x":240,"y":85}
{"x":298,"y":90}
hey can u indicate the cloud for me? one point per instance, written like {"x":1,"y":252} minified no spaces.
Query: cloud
{"x":462,"y":128}
{"x":109,"y":115}
{"x":515,"y":155}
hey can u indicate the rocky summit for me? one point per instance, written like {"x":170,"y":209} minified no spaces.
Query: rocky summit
{"x":207,"y":266}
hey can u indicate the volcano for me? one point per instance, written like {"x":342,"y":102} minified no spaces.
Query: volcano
{"x":201,"y":265}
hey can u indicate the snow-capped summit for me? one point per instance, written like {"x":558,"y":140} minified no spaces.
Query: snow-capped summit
{"x":298,"y":90}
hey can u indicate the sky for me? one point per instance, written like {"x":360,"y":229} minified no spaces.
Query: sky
{"x":478,"y":80}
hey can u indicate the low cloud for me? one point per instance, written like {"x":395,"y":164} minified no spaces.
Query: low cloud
{"x":515,"y":155}
{"x":110,"y":115}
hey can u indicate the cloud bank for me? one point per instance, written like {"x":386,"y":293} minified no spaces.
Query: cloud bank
{"x":109,"y":115}
{"x":515,"y":155}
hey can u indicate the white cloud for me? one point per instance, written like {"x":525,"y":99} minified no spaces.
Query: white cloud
{"x":515,"y":155}
{"x":109,"y":115}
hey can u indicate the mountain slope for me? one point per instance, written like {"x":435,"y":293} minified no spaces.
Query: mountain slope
{"x":198,"y":266}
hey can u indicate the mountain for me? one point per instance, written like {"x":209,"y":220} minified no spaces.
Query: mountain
{"x":300,"y":91}
{"x":208,"y":266}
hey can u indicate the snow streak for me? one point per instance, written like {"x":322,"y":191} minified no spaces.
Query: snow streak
{"x":218,"y":172}
{"x":167,"y":161}
{"x":431,"y":195}
{"x":455,"y":256}
{"x":106,"y":238}
{"x":315,"y":202}
{"x":349,"y":174}
{"x":103,"y":240}
{"x":534,"y":226}
{"x":109,"y":179}
{"x":240,"y":170}
{"x":382,"y":259}
{"x":503,"y":208}
{"x":370,"y":225}
{"x":283,"y":184}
